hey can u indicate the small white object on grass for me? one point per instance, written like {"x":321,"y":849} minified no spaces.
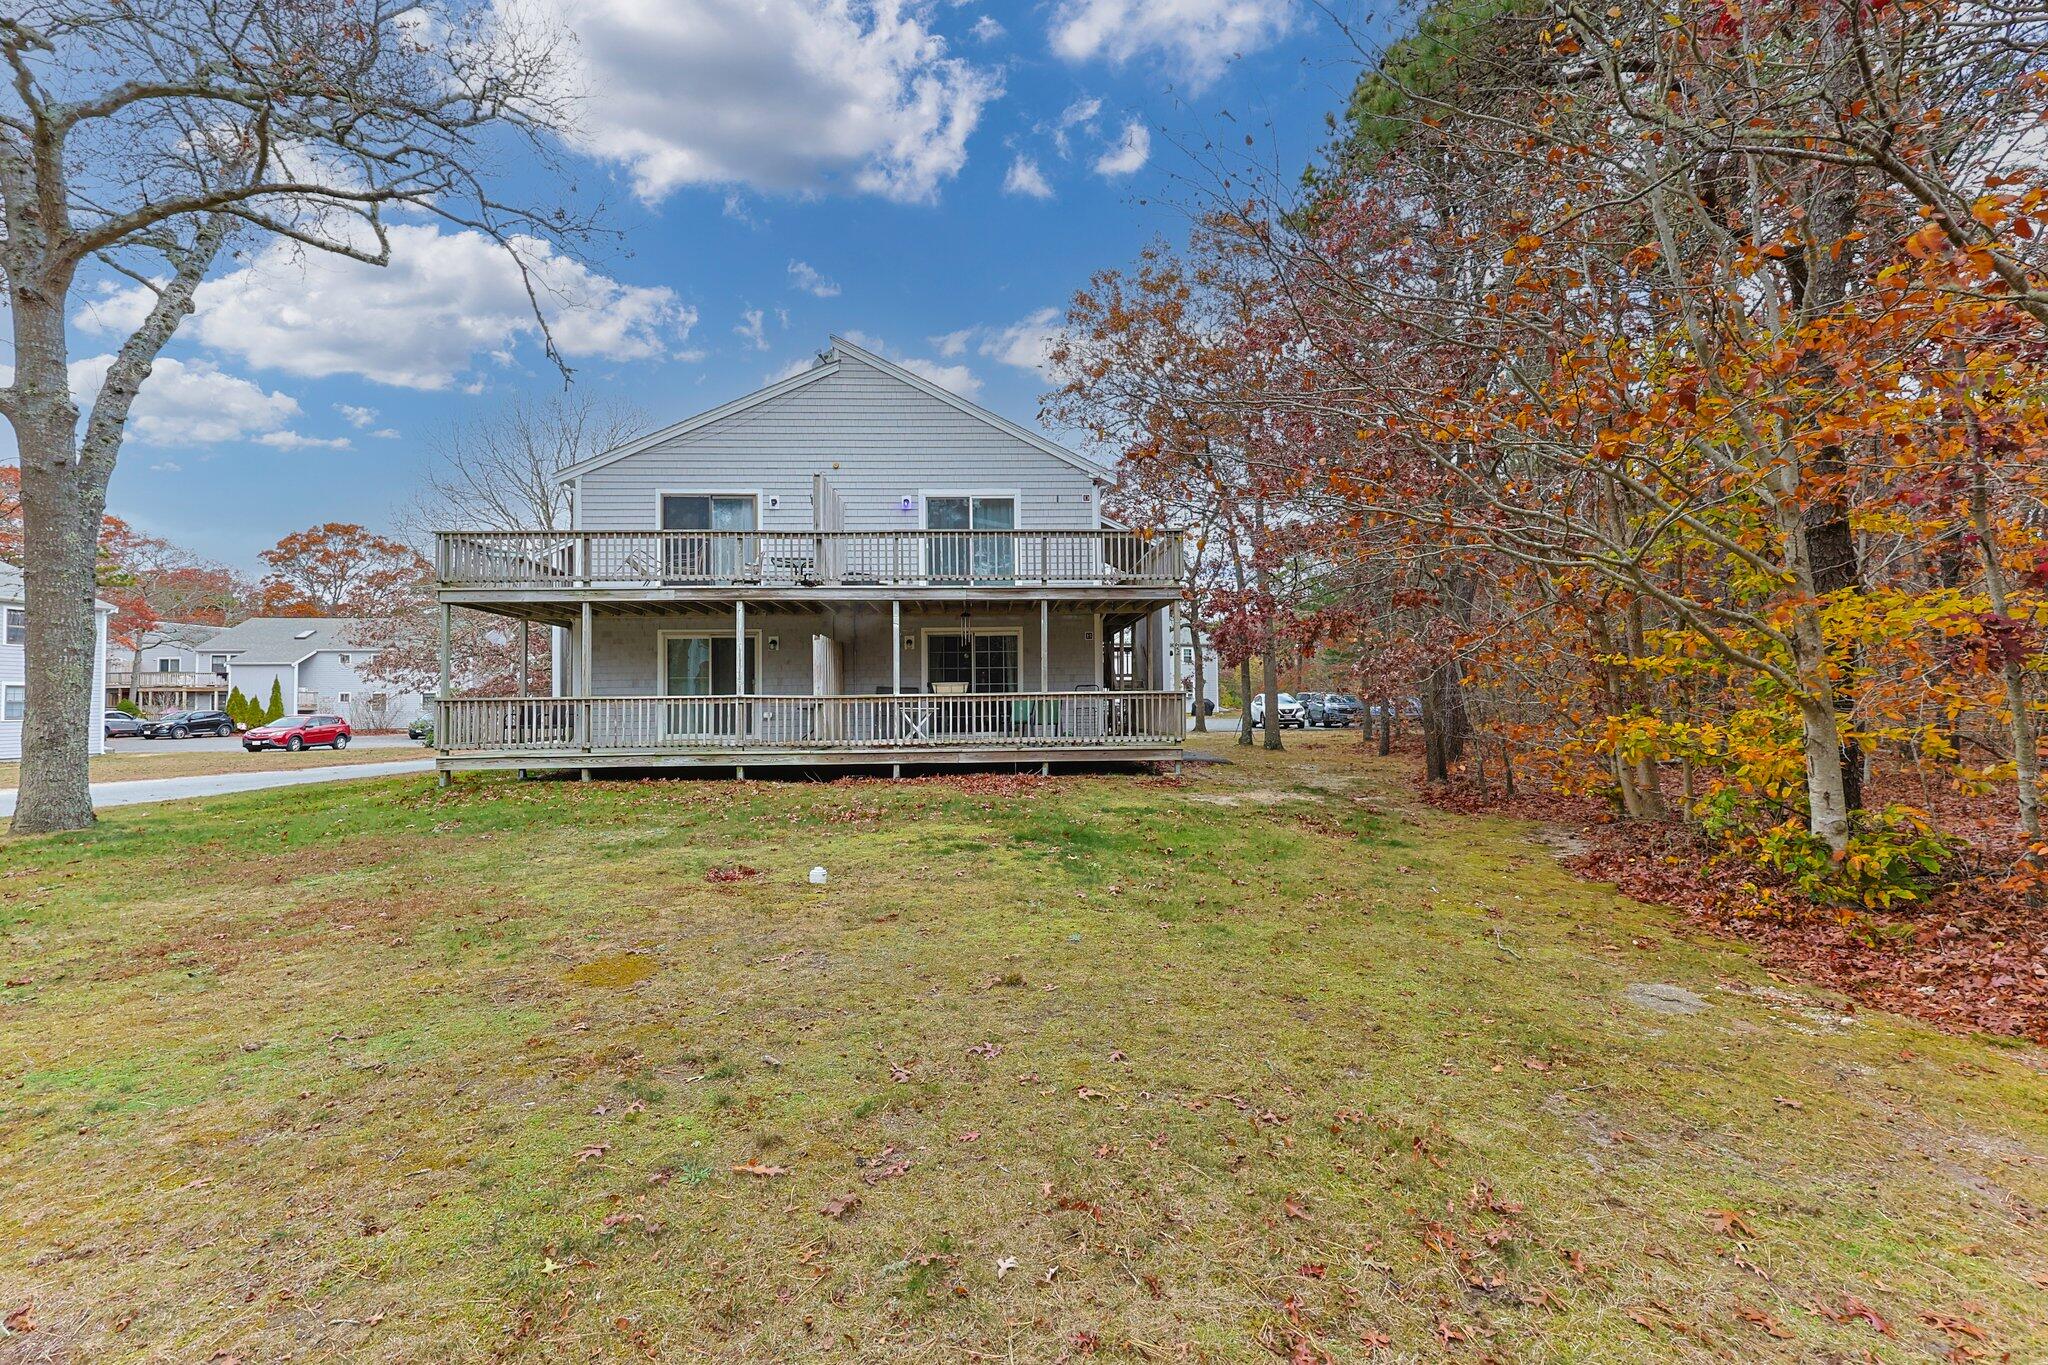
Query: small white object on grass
{"x":817,"y":876}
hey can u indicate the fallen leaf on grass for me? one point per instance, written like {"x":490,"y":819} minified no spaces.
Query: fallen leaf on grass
{"x":736,"y":872}
{"x":1855,"y":1308}
{"x":971,"y":1135}
{"x":1730,"y":1221}
{"x":1954,"y":1326}
{"x":1784,"y":1103}
{"x":1763,"y":1320}
{"x":1005,"y":1266}
{"x":592,"y":1152}
{"x":841,"y":1207}
{"x":887,"y":1164}
{"x":21,"y":1320}
{"x":757,"y":1168}
{"x":1296,"y":1209}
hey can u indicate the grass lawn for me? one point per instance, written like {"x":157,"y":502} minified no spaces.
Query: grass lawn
{"x":172,"y":761}
{"x":1265,"y":1062}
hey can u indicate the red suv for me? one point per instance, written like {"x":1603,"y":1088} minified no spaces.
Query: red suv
{"x":298,"y":732}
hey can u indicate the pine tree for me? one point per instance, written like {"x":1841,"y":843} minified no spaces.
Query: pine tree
{"x":238,"y":707}
{"x":275,"y":711}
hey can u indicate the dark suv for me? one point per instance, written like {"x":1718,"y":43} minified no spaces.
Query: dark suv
{"x":185,"y":724}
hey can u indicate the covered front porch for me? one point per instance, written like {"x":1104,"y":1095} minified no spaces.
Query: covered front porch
{"x":834,"y":683}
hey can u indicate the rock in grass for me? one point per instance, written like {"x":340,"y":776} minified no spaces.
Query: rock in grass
{"x":1664,"y":998}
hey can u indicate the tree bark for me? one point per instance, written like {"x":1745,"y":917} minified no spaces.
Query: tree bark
{"x":1386,"y":726}
{"x":1201,"y":674}
{"x":1269,"y":647}
{"x":2026,"y":753}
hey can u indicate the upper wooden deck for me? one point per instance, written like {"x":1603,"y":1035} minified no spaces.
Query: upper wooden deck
{"x":483,"y":568}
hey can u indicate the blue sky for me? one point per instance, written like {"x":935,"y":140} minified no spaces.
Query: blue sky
{"x":931,"y":179}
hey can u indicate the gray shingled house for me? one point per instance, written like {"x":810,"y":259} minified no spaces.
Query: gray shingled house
{"x":849,"y":566}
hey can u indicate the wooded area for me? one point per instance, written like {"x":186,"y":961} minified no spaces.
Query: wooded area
{"x":1654,"y":392}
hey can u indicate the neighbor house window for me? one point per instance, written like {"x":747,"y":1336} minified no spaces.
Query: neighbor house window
{"x":220,"y":663}
{"x":344,"y":699}
{"x":344,"y":660}
{"x":14,"y":702}
{"x":17,"y":625}
{"x":167,"y":665}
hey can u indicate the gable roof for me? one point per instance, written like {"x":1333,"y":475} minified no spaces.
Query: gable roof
{"x":702,"y":419}
{"x":828,"y":364}
{"x":288,"y":639}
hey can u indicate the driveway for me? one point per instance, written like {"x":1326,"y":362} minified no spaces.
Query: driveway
{"x":150,"y":789}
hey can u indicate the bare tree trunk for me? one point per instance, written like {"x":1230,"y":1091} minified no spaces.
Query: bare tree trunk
{"x":2026,"y":754}
{"x":1269,"y":647}
{"x":1386,"y":726}
{"x":61,"y":505}
{"x":1827,"y":797}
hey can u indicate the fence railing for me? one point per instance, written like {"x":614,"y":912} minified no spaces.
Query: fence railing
{"x":799,"y":559}
{"x":998,"y":720}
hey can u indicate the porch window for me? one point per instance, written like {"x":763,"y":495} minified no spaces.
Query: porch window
{"x":988,"y":553}
{"x":957,"y":662}
{"x":694,"y":553}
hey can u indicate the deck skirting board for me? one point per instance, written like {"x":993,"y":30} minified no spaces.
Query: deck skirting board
{"x":969,"y":756}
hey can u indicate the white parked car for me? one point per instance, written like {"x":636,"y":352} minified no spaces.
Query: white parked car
{"x":1290,"y":711}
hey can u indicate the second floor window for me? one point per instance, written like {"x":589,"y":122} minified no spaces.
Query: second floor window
{"x":16,"y":625}
{"x":167,"y":664}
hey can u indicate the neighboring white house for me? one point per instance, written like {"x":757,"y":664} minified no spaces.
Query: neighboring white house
{"x":852,"y":565}
{"x":316,"y":664}
{"x":1212,"y":667}
{"x":14,"y":665}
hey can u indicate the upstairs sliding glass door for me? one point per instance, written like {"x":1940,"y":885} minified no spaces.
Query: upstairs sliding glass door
{"x":979,"y":546}
{"x":696,"y":557}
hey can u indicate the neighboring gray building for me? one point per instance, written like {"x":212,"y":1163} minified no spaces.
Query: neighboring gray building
{"x":849,"y":565}
{"x":14,"y":664}
{"x":175,"y":671}
{"x":316,"y":663}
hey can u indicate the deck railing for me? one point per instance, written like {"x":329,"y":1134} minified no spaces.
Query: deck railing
{"x":889,"y":723}
{"x":801,"y":559}
{"x":150,"y":680}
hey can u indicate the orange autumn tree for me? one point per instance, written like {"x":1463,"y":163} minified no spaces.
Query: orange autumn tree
{"x":340,"y":569}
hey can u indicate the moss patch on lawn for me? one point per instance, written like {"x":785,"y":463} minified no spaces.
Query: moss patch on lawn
{"x":1129,"y":1065}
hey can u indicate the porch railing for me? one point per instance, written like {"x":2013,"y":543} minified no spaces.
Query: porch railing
{"x":797,"y":559}
{"x":149,"y":680}
{"x":1001,"y":720}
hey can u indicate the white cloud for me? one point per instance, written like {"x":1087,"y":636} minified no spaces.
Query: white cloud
{"x":386,"y":433}
{"x":804,"y":276}
{"x":750,"y":330}
{"x":1025,"y":344}
{"x":1196,"y":38}
{"x":987,"y":29}
{"x":446,"y":300}
{"x":358,"y":417}
{"x":166,"y":467}
{"x":292,"y":440}
{"x":1026,"y":179}
{"x":1131,"y":152}
{"x":958,"y":378}
{"x":1080,"y":114}
{"x":788,"y":96}
{"x":190,"y":403}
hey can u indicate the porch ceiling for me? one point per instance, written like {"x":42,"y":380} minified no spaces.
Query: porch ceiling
{"x":557,"y":612}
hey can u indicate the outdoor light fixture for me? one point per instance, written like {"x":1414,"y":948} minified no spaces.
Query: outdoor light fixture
{"x":774,"y":643}
{"x":908,"y":505}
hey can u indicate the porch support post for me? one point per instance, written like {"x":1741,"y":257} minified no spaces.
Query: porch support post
{"x":525,"y":651}
{"x":896,"y":648}
{"x":583,"y":654}
{"x":447,"y":630}
{"x":1173,"y":645}
{"x":1045,"y":646}
{"x":739,"y":657}
{"x":1101,"y":648}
